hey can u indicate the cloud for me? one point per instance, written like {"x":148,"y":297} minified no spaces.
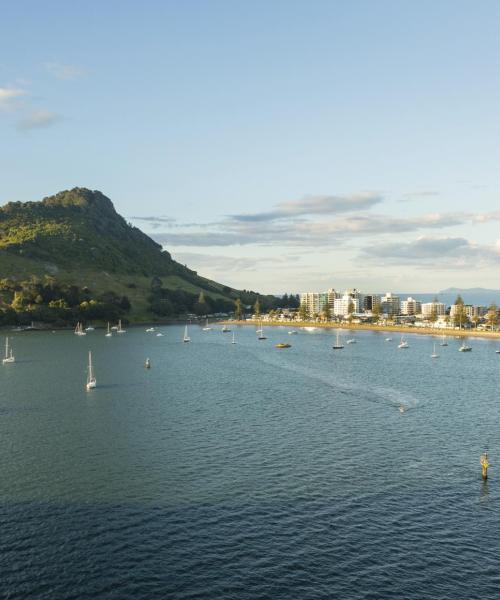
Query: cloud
{"x":218,"y":263}
{"x":8,"y":97}
{"x":37,"y":119}
{"x":446,"y":252}
{"x":422,"y":194}
{"x":65,"y":72}
{"x":314,"y":205}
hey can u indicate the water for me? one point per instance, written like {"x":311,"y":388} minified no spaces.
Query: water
{"x":243,"y":472}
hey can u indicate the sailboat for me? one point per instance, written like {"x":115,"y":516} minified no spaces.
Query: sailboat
{"x":403,"y":344}
{"x":443,"y":341}
{"x":9,"y":356}
{"x":464,"y":347}
{"x":338,"y":345}
{"x":260,"y":329}
{"x":234,"y":341}
{"x":186,"y":337}
{"x":91,"y":380}
{"x":147,"y":364}
{"x":79,"y":329}
{"x":89,"y":328}
{"x":261,"y":335}
{"x":225,"y":329}
{"x":120,"y":330}
{"x":109,"y":334}
{"x":206,"y":328}
{"x":351,"y":341}
{"x":434,"y":354}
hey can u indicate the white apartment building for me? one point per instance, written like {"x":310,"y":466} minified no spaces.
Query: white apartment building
{"x":342,"y":306}
{"x":429,"y":307}
{"x":390,"y":304}
{"x":411,"y":306}
{"x":315,"y":302}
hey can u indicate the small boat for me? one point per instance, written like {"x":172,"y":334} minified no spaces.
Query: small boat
{"x":233,"y":340}
{"x":186,"y":337}
{"x":403,"y":344}
{"x":91,"y":380}
{"x":89,"y":328}
{"x":443,"y":341}
{"x":261,"y":335}
{"x":389,"y":339}
{"x":114,"y":328}
{"x":9,"y":356}
{"x":402,"y":409}
{"x":79,"y":329}
{"x":159,"y":334}
{"x":497,"y":351}
{"x":150,"y":329}
{"x":464,"y":348}
{"x":434,"y":354}
{"x":108,"y":334}
{"x":283,"y":346}
{"x":207,"y":328}
{"x":338,"y":345}
{"x":147,"y":364}
{"x":225,"y":329}
{"x":351,"y":341}
{"x":293,"y":332}
{"x":120,"y":330}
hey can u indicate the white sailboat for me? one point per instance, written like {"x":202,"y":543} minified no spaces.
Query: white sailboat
{"x":91,"y":380}
{"x":79,"y":329}
{"x":434,"y":353}
{"x":443,"y":341}
{"x":120,"y":330}
{"x":186,"y":337}
{"x":464,"y":347}
{"x":89,"y":328}
{"x":9,"y":356}
{"x":403,"y":343}
{"x":260,"y":328}
{"x":108,"y":334}
{"x":338,"y":344}
{"x":206,"y":328}
{"x":261,"y":335}
{"x":234,"y":341}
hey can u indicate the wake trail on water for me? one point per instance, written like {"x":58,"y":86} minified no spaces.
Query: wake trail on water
{"x":399,"y":399}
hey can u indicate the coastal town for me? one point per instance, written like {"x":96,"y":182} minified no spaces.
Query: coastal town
{"x":353,"y":307}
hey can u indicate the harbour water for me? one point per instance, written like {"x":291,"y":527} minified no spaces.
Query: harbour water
{"x":240,"y":471}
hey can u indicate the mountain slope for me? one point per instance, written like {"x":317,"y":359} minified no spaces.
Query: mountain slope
{"x":78,"y":238}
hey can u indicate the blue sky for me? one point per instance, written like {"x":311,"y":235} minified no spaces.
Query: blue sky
{"x":270,"y":145}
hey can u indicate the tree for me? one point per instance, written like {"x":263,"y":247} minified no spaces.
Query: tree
{"x":433,"y":317}
{"x":256,"y":308}
{"x":303,"y":313}
{"x":492,"y":315}
{"x":350,"y":310}
{"x":327,"y":314}
{"x":375,"y":312}
{"x":459,"y":316}
{"x":238,"y":311}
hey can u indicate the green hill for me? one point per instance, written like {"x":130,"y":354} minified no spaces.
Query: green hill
{"x":73,"y":256}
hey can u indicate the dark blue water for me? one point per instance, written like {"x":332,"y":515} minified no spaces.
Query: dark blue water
{"x":242,"y":471}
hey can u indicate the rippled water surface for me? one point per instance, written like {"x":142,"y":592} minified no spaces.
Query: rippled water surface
{"x":233,"y":471}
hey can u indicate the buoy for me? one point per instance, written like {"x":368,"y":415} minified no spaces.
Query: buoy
{"x":484,"y":464}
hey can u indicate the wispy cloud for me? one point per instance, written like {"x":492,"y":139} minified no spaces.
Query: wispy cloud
{"x":65,"y":72}
{"x":314,"y":205}
{"x":9,"y":97}
{"x":450,"y":252}
{"x":37,"y":119}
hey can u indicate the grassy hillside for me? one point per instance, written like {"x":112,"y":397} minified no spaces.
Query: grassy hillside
{"x":76,"y":238}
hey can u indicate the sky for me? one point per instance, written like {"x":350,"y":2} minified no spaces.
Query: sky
{"x":279,"y":146}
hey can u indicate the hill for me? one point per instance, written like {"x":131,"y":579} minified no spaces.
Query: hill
{"x":72,"y":255}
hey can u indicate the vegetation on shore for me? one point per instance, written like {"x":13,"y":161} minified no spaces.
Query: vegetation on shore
{"x":72,"y":257}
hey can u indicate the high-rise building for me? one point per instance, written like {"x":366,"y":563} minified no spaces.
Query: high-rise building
{"x":389,"y":304}
{"x":371,"y":302}
{"x":411,"y":307}
{"x":429,"y":307}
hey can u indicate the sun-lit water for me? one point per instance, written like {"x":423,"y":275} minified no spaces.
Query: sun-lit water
{"x":233,"y":471}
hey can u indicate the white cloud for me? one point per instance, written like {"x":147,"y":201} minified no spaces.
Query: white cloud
{"x":8,"y":97}
{"x":37,"y":119}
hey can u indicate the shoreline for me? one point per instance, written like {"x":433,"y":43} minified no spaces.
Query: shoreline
{"x":377,"y":328}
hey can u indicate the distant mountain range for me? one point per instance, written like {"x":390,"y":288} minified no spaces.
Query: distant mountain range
{"x":480,"y":296}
